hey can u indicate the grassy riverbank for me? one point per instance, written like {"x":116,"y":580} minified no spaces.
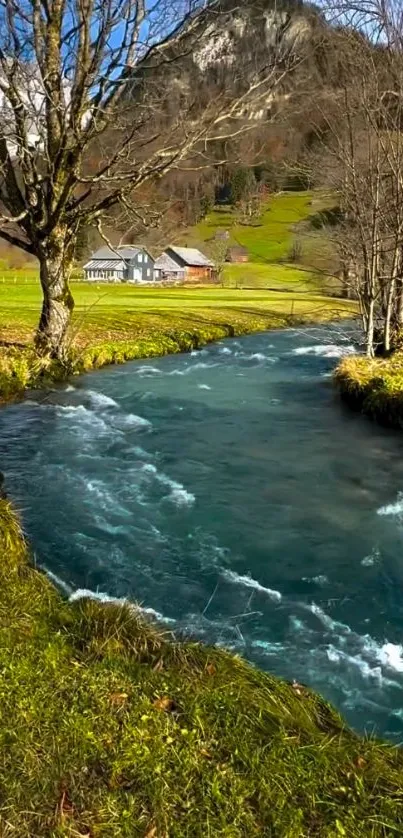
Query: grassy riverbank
{"x":110,"y":728}
{"x":374,"y":386}
{"x":117,"y":323}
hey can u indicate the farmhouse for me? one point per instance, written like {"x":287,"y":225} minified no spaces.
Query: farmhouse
{"x":196,"y":266}
{"x":128,"y":263}
{"x":165,"y":268}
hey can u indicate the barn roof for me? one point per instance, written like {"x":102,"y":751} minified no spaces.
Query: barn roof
{"x":192,"y":256}
{"x":166,"y":263}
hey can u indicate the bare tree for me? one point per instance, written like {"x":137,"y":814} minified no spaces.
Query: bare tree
{"x":362,"y":155}
{"x":93,"y":108}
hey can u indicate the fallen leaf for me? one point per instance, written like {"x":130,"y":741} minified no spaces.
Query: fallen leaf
{"x":205,"y":753}
{"x":118,"y":698}
{"x":211,"y":669}
{"x":166,"y":704}
{"x":360,"y":762}
{"x":152,"y":832}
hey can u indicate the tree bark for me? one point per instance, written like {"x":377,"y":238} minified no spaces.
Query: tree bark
{"x":399,"y":304}
{"x":58,"y":303}
{"x":388,"y":317}
{"x":369,"y":337}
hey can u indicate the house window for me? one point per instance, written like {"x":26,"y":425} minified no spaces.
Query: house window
{"x":148,"y":272}
{"x":145,"y":257}
{"x":140,"y":257}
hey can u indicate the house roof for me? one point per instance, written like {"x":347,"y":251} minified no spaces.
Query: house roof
{"x":192,"y":256}
{"x":124,"y":251}
{"x":166,"y":263}
{"x":105,"y":264}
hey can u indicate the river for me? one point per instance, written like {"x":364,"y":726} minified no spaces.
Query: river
{"x":230,"y":493}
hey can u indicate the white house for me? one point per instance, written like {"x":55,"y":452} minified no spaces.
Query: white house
{"x":128,"y":263}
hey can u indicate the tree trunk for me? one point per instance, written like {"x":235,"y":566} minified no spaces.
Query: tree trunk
{"x":369,"y":337}
{"x":388,"y":317}
{"x":399,"y":304}
{"x":58,"y":303}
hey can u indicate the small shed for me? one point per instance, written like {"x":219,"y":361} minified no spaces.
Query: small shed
{"x":221,"y":235}
{"x":237,"y":254}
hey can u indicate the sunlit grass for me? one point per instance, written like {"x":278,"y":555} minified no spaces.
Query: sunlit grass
{"x":110,"y":729}
{"x":374,"y":386}
{"x":268,"y":238}
{"x":114,"y":323}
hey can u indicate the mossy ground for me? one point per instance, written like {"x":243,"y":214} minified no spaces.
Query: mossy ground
{"x":374,"y":386}
{"x":110,"y":727}
{"x":114,"y":323}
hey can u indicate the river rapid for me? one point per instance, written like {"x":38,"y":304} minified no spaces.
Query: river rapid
{"x":234,"y":497}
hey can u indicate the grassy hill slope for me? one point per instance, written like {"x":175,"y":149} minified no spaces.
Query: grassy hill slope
{"x":285,"y":250}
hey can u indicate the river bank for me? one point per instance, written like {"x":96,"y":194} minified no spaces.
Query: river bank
{"x":373,"y":387}
{"x":111,"y":728}
{"x":120,"y":323}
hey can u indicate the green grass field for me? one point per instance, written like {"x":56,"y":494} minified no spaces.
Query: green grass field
{"x":108,"y":729}
{"x":121,"y":311}
{"x":114,"y":323}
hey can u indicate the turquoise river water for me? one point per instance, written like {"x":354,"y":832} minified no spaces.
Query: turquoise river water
{"x":230,"y":493}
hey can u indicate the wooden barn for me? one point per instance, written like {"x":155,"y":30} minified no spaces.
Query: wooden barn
{"x":197,"y":267}
{"x":237,"y":254}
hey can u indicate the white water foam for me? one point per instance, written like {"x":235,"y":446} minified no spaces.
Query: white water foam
{"x":225,"y":351}
{"x":88,"y":421}
{"x":100,"y":596}
{"x":145,"y":371}
{"x":269,"y":648}
{"x":204,"y":387}
{"x":100,"y":399}
{"x":372,"y":558}
{"x":361,"y":651}
{"x":327,"y":350}
{"x":57,"y":581}
{"x":131,"y":420}
{"x":338,"y":656}
{"x":249,"y":582}
{"x":70,"y":408}
{"x":390,"y":655}
{"x":178,"y":494}
{"x":372,"y":660}
{"x":201,"y":365}
{"x":104,"y":497}
{"x":321,"y":579}
{"x":393,"y":509}
{"x":69,"y":388}
{"x":141,"y":453}
{"x":257,"y":356}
